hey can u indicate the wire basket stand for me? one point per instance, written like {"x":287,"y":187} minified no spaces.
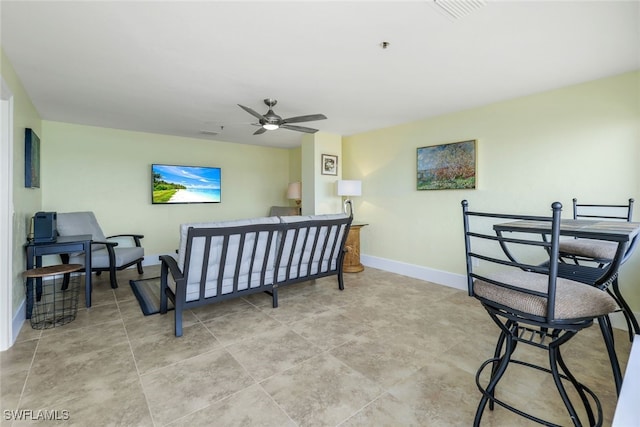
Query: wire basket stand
{"x":55,"y":303}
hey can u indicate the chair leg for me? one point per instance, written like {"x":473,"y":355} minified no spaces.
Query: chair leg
{"x":178,"y":320}
{"x":578,"y":387}
{"x":511,"y":334}
{"x":627,"y":319}
{"x":635,"y":329}
{"x":139,"y":265}
{"x":554,"y":355}
{"x":496,"y":357}
{"x":605,"y":327}
{"x":112,"y":278}
{"x":67,"y":276}
{"x":164,"y":304}
{"x":496,"y":374}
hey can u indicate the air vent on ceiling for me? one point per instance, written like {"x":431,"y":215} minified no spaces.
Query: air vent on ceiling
{"x":209,"y":132}
{"x":456,"y":9}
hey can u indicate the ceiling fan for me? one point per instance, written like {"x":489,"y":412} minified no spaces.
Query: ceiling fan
{"x":272,"y":121}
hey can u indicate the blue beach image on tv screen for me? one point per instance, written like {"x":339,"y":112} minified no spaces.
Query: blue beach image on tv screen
{"x":185,"y":184}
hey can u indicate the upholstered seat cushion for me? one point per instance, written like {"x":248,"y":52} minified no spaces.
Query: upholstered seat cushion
{"x":574,"y":300}
{"x":100,"y":257}
{"x":588,"y":248}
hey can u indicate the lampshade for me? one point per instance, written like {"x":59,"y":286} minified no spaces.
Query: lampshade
{"x":349,"y":188}
{"x":269,"y":126}
{"x":294,"y":191}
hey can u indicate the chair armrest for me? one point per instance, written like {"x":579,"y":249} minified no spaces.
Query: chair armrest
{"x":108,"y":244}
{"x":172,"y":264}
{"x":110,"y":251}
{"x":136,"y":237}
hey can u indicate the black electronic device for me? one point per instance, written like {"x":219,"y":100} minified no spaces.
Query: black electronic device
{"x":44,"y":227}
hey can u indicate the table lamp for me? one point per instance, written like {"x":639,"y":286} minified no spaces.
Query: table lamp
{"x":294,"y":192}
{"x":349,"y":188}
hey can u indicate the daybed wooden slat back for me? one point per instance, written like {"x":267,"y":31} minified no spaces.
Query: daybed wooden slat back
{"x":223,"y":263}
{"x":310,"y":248}
{"x":239,"y":244}
{"x":296,"y":233}
{"x":205,"y":265}
{"x":335,"y":244}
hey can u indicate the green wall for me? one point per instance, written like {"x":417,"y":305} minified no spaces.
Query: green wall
{"x":318,"y":190}
{"x":108,"y":171}
{"x":580,"y":141}
{"x":26,"y":201}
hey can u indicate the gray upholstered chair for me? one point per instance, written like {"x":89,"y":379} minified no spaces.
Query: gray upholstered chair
{"x":513,"y":273}
{"x":107,"y":253}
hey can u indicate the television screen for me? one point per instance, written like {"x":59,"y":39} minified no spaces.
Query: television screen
{"x":185,"y":184}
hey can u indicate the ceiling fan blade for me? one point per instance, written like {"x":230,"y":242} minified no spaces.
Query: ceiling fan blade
{"x":307,"y":118}
{"x":299,"y":128}
{"x":252,"y":112}
{"x":259,"y":131}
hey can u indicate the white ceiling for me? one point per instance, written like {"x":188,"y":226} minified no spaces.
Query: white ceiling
{"x":181,"y":67}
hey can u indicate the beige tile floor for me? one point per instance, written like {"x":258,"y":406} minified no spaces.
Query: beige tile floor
{"x":387,"y":351}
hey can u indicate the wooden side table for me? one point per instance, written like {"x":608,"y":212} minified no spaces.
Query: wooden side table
{"x":352,"y":262}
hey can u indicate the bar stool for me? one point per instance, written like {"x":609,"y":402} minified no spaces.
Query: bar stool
{"x":600,"y":253}
{"x":530,"y":305}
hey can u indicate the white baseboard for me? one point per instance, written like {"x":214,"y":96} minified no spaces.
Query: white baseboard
{"x":439,"y":277}
{"x":18,"y":320}
{"x":445,"y":278}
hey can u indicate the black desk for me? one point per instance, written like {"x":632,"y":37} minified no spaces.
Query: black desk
{"x":63,"y":245}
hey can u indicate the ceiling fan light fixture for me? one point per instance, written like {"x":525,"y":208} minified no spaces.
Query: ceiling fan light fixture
{"x":272,"y":121}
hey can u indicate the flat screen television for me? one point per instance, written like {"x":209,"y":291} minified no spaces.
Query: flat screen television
{"x":185,"y":184}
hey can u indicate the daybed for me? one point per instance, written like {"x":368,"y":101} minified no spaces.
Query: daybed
{"x":255,"y":255}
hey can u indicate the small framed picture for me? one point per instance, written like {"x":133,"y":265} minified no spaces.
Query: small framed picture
{"x":329,"y":164}
{"x":31,"y":159}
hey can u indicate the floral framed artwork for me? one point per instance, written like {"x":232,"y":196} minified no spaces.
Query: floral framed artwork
{"x":447,"y":166}
{"x":31,"y":159}
{"x":329,"y":164}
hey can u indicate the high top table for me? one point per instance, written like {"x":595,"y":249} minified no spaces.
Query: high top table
{"x":62,"y":245}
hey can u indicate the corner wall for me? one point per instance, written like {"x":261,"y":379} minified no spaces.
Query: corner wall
{"x":320,"y":196}
{"x":26,"y":201}
{"x":580,"y":141}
